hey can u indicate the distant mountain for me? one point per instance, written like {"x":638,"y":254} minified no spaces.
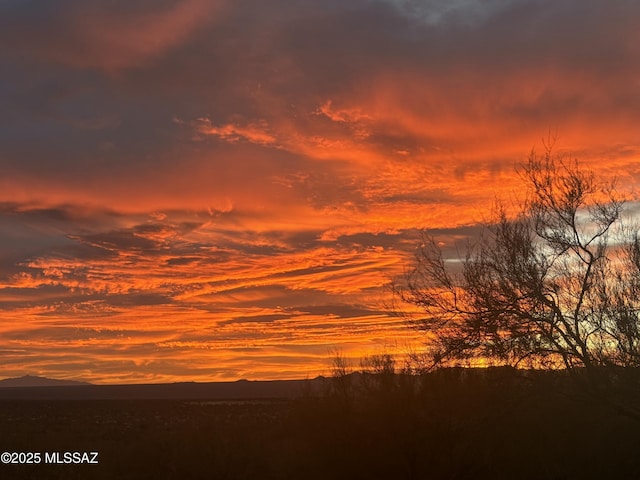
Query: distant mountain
{"x":33,"y":381}
{"x":275,"y":390}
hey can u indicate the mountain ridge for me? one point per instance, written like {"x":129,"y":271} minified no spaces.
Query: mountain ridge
{"x":29,"y":388}
{"x":29,"y":381}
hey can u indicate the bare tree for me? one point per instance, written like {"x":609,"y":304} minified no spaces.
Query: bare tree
{"x":556,"y":285}
{"x":342,"y":379}
{"x":379,"y":372}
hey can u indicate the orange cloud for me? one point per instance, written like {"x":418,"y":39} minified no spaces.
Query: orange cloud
{"x":253,"y":132}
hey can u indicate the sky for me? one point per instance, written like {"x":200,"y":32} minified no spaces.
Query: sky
{"x":212,"y":190}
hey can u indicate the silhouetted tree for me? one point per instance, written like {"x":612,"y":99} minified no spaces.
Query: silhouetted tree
{"x":341,"y":385}
{"x":379,"y":373}
{"x":555,"y":285}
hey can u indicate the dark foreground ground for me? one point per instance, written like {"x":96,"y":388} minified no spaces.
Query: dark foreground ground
{"x":440,"y":427}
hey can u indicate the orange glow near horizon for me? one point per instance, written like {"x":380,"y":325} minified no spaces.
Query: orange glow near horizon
{"x":208,"y":192}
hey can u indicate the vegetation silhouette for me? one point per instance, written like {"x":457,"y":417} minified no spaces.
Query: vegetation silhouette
{"x":452,"y":423}
{"x":554,"y":286}
{"x":458,"y":423}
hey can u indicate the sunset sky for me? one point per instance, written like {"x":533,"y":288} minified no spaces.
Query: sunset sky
{"x":213,"y":189}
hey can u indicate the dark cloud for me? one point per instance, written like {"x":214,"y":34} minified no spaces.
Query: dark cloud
{"x":386,"y":240}
{"x":274,"y":317}
{"x":109,"y":35}
{"x":342,"y":311}
{"x":184,"y":260}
